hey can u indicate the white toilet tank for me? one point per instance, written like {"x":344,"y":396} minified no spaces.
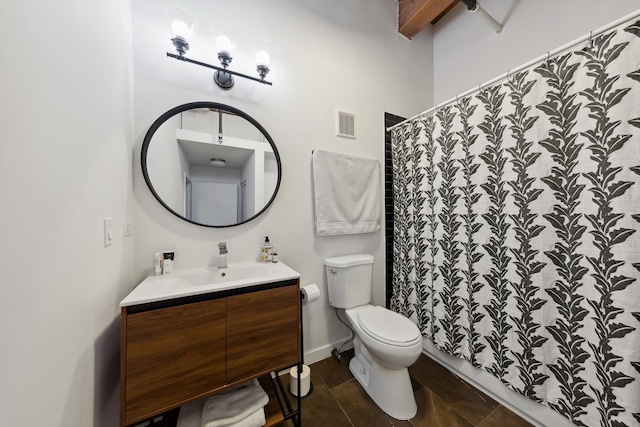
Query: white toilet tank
{"x":349,"y":280}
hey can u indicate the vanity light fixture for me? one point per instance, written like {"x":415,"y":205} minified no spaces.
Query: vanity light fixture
{"x":264,"y":49}
{"x":225,"y":42}
{"x":182,"y":27}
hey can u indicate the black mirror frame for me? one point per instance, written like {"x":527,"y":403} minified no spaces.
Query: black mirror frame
{"x":205,"y":104}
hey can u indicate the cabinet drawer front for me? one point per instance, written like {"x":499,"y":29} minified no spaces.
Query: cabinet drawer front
{"x":262,"y":331}
{"x":172,"y":355}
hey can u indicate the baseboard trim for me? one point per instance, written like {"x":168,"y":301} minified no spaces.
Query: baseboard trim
{"x":324,"y":352}
{"x":535,"y":413}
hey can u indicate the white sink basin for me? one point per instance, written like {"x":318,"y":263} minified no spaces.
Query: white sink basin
{"x":217,"y":275}
{"x":183,"y":283}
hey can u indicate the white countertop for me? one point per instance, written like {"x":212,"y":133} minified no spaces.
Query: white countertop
{"x":198,"y":281}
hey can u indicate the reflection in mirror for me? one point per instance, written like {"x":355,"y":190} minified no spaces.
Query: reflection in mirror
{"x":211,"y":164}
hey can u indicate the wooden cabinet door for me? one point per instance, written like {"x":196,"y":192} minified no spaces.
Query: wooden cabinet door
{"x":173,"y":355}
{"x":262,"y":332}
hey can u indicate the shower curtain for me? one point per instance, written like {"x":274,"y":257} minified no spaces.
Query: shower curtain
{"x":517,"y":229}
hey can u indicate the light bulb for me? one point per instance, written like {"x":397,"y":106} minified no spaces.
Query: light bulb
{"x":181,"y":22}
{"x":224,"y":38}
{"x":263,"y":58}
{"x":263,"y":50}
{"x":179,"y":28}
{"x":224,"y":44}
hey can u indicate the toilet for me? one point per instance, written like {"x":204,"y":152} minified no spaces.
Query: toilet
{"x":385,"y":343}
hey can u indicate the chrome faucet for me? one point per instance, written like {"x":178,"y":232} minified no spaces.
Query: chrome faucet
{"x":222,"y":262}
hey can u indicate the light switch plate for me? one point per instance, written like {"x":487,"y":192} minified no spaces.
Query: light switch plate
{"x":128,"y":229}
{"x":108,"y":232}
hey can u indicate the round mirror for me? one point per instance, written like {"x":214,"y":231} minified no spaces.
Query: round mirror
{"x":211,"y":164}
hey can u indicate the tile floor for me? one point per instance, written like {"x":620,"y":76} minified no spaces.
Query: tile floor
{"x":443,"y":399}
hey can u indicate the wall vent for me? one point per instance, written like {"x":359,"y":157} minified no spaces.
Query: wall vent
{"x":345,"y":124}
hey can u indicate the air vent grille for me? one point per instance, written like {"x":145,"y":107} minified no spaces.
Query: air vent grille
{"x":346,"y":124}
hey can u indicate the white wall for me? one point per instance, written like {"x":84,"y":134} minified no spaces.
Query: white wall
{"x":330,"y":54}
{"x":65,"y":164}
{"x":467,"y":52}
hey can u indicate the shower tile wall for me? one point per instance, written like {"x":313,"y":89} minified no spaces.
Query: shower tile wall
{"x":389,"y":120}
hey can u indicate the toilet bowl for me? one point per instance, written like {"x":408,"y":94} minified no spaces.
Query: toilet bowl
{"x":393,"y":339}
{"x":385,"y":343}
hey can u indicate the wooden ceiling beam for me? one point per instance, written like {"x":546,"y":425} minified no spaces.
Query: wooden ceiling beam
{"x":416,"y":14}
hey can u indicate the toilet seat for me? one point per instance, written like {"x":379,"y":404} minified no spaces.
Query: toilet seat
{"x":388,"y":327}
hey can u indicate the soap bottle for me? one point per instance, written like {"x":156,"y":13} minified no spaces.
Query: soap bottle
{"x":157,"y":264}
{"x":265,"y":250}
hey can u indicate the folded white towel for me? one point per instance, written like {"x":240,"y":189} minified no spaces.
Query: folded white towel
{"x":233,"y":406}
{"x":347,"y":193}
{"x":191,"y":414}
{"x":257,"y":419}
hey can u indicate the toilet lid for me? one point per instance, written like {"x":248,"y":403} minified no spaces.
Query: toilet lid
{"x":388,"y":326}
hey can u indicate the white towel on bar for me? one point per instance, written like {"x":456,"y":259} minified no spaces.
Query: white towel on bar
{"x":347,"y":193}
{"x":234,"y":407}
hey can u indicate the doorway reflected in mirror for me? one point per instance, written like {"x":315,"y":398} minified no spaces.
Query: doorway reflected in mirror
{"x":211,"y":164}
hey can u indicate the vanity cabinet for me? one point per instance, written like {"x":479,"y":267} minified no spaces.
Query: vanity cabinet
{"x":262,"y":332}
{"x":177,"y":351}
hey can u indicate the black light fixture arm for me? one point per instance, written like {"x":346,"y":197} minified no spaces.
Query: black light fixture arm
{"x":221,"y":69}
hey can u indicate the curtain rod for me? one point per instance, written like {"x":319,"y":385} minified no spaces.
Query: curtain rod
{"x":541,"y":58}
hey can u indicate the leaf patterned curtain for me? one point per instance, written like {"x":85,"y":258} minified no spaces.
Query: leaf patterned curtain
{"x":517,"y":229}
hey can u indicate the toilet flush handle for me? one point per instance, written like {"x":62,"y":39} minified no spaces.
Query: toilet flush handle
{"x":331,"y":270}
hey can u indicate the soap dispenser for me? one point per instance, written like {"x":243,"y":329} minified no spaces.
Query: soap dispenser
{"x":265,"y":250}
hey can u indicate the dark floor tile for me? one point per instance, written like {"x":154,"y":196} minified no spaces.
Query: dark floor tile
{"x":502,"y":417}
{"x":398,"y":423}
{"x":358,"y":406}
{"x":435,"y":412}
{"x":319,"y":408}
{"x":472,"y":404}
{"x":334,"y":372}
{"x":443,"y":400}
{"x":415,"y":384}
